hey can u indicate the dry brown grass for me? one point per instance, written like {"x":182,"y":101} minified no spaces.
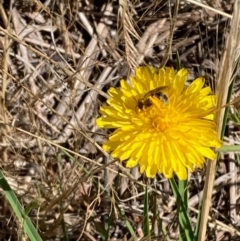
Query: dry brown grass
{"x":58,"y":60}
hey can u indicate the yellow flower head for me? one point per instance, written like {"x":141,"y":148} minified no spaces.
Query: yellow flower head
{"x":161,"y":124}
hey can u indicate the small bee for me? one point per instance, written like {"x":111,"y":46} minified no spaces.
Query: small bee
{"x":158,"y":92}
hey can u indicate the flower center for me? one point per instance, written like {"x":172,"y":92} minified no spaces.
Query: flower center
{"x":159,"y":115}
{"x":161,"y":123}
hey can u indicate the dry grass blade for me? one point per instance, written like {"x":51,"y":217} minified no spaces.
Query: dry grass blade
{"x":128,"y":32}
{"x":198,"y":3}
{"x":172,"y":27}
{"x":224,"y":79}
{"x":5,"y":63}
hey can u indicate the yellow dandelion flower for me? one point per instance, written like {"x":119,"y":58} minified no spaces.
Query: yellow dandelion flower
{"x":161,"y":124}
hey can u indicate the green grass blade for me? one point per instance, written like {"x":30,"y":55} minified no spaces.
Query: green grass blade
{"x":230,"y":148}
{"x":110,"y":220}
{"x":184,"y":221}
{"x":28,"y":226}
{"x":178,"y":65}
{"x":225,"y":118}
{"x":230,"y":93}
{"x":182,"y":187}
{"x":163,"y":229}
{"x":157,"y":217}
{"x":146,"y":225}
{"x":128,"y":224}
